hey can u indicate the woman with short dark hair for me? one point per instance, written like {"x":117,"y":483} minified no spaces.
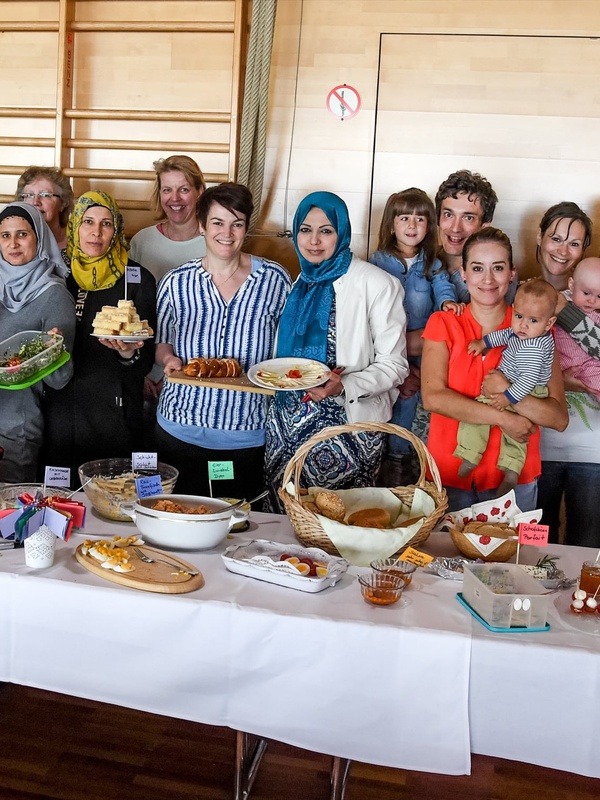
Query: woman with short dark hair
{"x":225,"y":305}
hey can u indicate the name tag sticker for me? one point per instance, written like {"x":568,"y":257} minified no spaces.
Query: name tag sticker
{"x":134,"y":275}
{"x":415,"y":557}
{"x":533,"y":534}
{"x":57,"y":476}
{"x":220,"y":470}
{"x":148,"y":487}
{"x":144,"y":461}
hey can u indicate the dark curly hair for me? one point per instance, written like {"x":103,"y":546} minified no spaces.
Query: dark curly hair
{"x":472,"y":184}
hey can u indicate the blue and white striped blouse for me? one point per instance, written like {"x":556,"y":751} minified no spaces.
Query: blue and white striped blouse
{"x":197,"y":322}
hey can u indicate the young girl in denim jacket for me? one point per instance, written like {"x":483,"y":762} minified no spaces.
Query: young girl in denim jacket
{"x":407,"y":250}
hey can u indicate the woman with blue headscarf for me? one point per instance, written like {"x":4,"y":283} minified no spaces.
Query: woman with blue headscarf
{"x":349,"y":315}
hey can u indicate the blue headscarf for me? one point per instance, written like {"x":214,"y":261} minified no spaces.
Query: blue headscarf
{"x":303,"y":324}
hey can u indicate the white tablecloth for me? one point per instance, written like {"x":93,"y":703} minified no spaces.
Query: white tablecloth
{"x":418,"y":687}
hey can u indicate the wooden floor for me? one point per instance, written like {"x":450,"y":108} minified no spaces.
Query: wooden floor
{"x":52,"y":746}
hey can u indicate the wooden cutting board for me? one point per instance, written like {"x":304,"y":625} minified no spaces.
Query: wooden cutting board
{"x":157,"y":577}
{"x":239,"y":384}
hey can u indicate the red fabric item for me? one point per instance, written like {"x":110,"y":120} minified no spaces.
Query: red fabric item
{"x":465,"y":375}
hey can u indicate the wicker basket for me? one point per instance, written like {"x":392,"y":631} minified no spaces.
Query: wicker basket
{"x":306,"y":523}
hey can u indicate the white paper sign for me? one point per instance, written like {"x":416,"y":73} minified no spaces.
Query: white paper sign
{"x":144,"y":461}
{"x":134,"y":275}
{"x":57,"y":476}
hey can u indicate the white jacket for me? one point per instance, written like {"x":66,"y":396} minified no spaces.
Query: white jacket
{"x":370,"y":340}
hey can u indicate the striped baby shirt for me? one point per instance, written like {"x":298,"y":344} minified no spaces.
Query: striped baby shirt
{"x":526,"y":363}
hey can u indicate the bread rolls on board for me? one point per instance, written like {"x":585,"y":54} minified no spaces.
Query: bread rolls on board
{"x":212,"y":368}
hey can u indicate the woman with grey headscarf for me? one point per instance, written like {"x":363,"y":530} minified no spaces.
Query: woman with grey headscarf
{"x":33,"y":297}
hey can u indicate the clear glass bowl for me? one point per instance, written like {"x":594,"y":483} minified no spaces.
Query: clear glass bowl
{"x":113,"y":482}
{"x":391,"y":566}
{"x":381,"y":588}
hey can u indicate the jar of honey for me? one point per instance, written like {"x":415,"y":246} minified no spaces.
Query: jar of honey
{"x":590,"y":577}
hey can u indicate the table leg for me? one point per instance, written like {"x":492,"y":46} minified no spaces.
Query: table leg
{"x":340,"y":770}
{"x":249,"y":751}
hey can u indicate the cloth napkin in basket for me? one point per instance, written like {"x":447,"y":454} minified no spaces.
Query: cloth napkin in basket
{"x":359,"y":545}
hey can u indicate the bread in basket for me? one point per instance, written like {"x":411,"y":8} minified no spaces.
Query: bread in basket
{"x":306,"y":523}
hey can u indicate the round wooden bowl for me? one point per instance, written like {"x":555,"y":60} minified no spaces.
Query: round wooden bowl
{"x":503,"y":552}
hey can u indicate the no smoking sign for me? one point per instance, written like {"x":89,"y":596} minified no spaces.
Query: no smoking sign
{"x":343,"y":102}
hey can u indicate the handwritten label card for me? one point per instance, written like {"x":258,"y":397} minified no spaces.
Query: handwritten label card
{"x":533,"y":534}
{"x":220,"y":470}
{"x":144,"y":461}
{"x":57,"y":476}
{"x":148,"y":487}
{"x":134,"y":275}
{"x":415,"y":557}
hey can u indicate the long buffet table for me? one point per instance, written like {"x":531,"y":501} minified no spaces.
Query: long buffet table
{"x":418,"y":687}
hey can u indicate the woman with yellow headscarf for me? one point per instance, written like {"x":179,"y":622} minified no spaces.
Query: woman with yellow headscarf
{"x":99,"y":414}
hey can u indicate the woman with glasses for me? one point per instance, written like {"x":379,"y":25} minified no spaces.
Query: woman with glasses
{"x":49,"y":190}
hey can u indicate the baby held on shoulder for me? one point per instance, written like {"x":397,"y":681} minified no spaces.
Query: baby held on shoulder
{"x":584,"y":293}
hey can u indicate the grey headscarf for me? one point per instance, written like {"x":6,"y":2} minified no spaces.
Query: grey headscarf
{"x":20,"y":285}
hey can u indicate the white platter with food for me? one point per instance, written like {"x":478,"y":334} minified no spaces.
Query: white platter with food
{"x":269,"y":561}
{"x":586,"y":622}
{"x":130,"y":338}
{"x":289,"y":374}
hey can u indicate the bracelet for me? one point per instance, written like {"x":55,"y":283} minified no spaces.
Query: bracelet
{"x":132,"y":359}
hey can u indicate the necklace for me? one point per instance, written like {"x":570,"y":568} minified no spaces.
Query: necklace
{"x":229,"y":277}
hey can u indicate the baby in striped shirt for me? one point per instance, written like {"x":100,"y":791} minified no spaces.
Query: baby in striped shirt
{"x":527,"y":363}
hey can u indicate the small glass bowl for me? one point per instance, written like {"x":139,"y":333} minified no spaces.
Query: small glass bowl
{"x":381,"y":588}
{"x":391,"y":566}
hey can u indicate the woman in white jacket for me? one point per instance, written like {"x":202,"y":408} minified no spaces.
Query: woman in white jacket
{"x":347,"y":314}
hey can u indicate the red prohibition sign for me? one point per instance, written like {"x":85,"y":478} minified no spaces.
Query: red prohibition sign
{"x":343,"y":102}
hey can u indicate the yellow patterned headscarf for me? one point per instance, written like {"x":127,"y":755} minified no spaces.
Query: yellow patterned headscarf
{"x":103,"y":271}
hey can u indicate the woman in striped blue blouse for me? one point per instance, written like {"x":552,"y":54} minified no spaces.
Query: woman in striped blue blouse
{"x":224,"y":305}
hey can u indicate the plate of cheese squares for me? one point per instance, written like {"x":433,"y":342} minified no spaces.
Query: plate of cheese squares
{"x":121,"y":322}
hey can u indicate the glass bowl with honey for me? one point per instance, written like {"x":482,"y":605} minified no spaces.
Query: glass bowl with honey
{"x":381,"y":588}
{"x":391,"y":566}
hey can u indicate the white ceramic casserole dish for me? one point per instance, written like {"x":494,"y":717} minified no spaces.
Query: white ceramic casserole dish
{"x":175,"y":531}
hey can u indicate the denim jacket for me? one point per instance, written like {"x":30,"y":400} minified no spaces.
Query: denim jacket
{"x":422,"y":296}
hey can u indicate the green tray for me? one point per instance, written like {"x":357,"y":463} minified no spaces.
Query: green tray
{"x":43,"y":373}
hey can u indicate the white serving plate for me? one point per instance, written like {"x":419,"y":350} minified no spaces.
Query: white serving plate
{"x":586,"y":623}
{"x":280,"y":367}
{"x":122,"y":338}
{"x":259,"y":558}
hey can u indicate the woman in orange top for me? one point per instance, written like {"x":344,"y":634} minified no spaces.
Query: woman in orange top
{"x":451,"y":379}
